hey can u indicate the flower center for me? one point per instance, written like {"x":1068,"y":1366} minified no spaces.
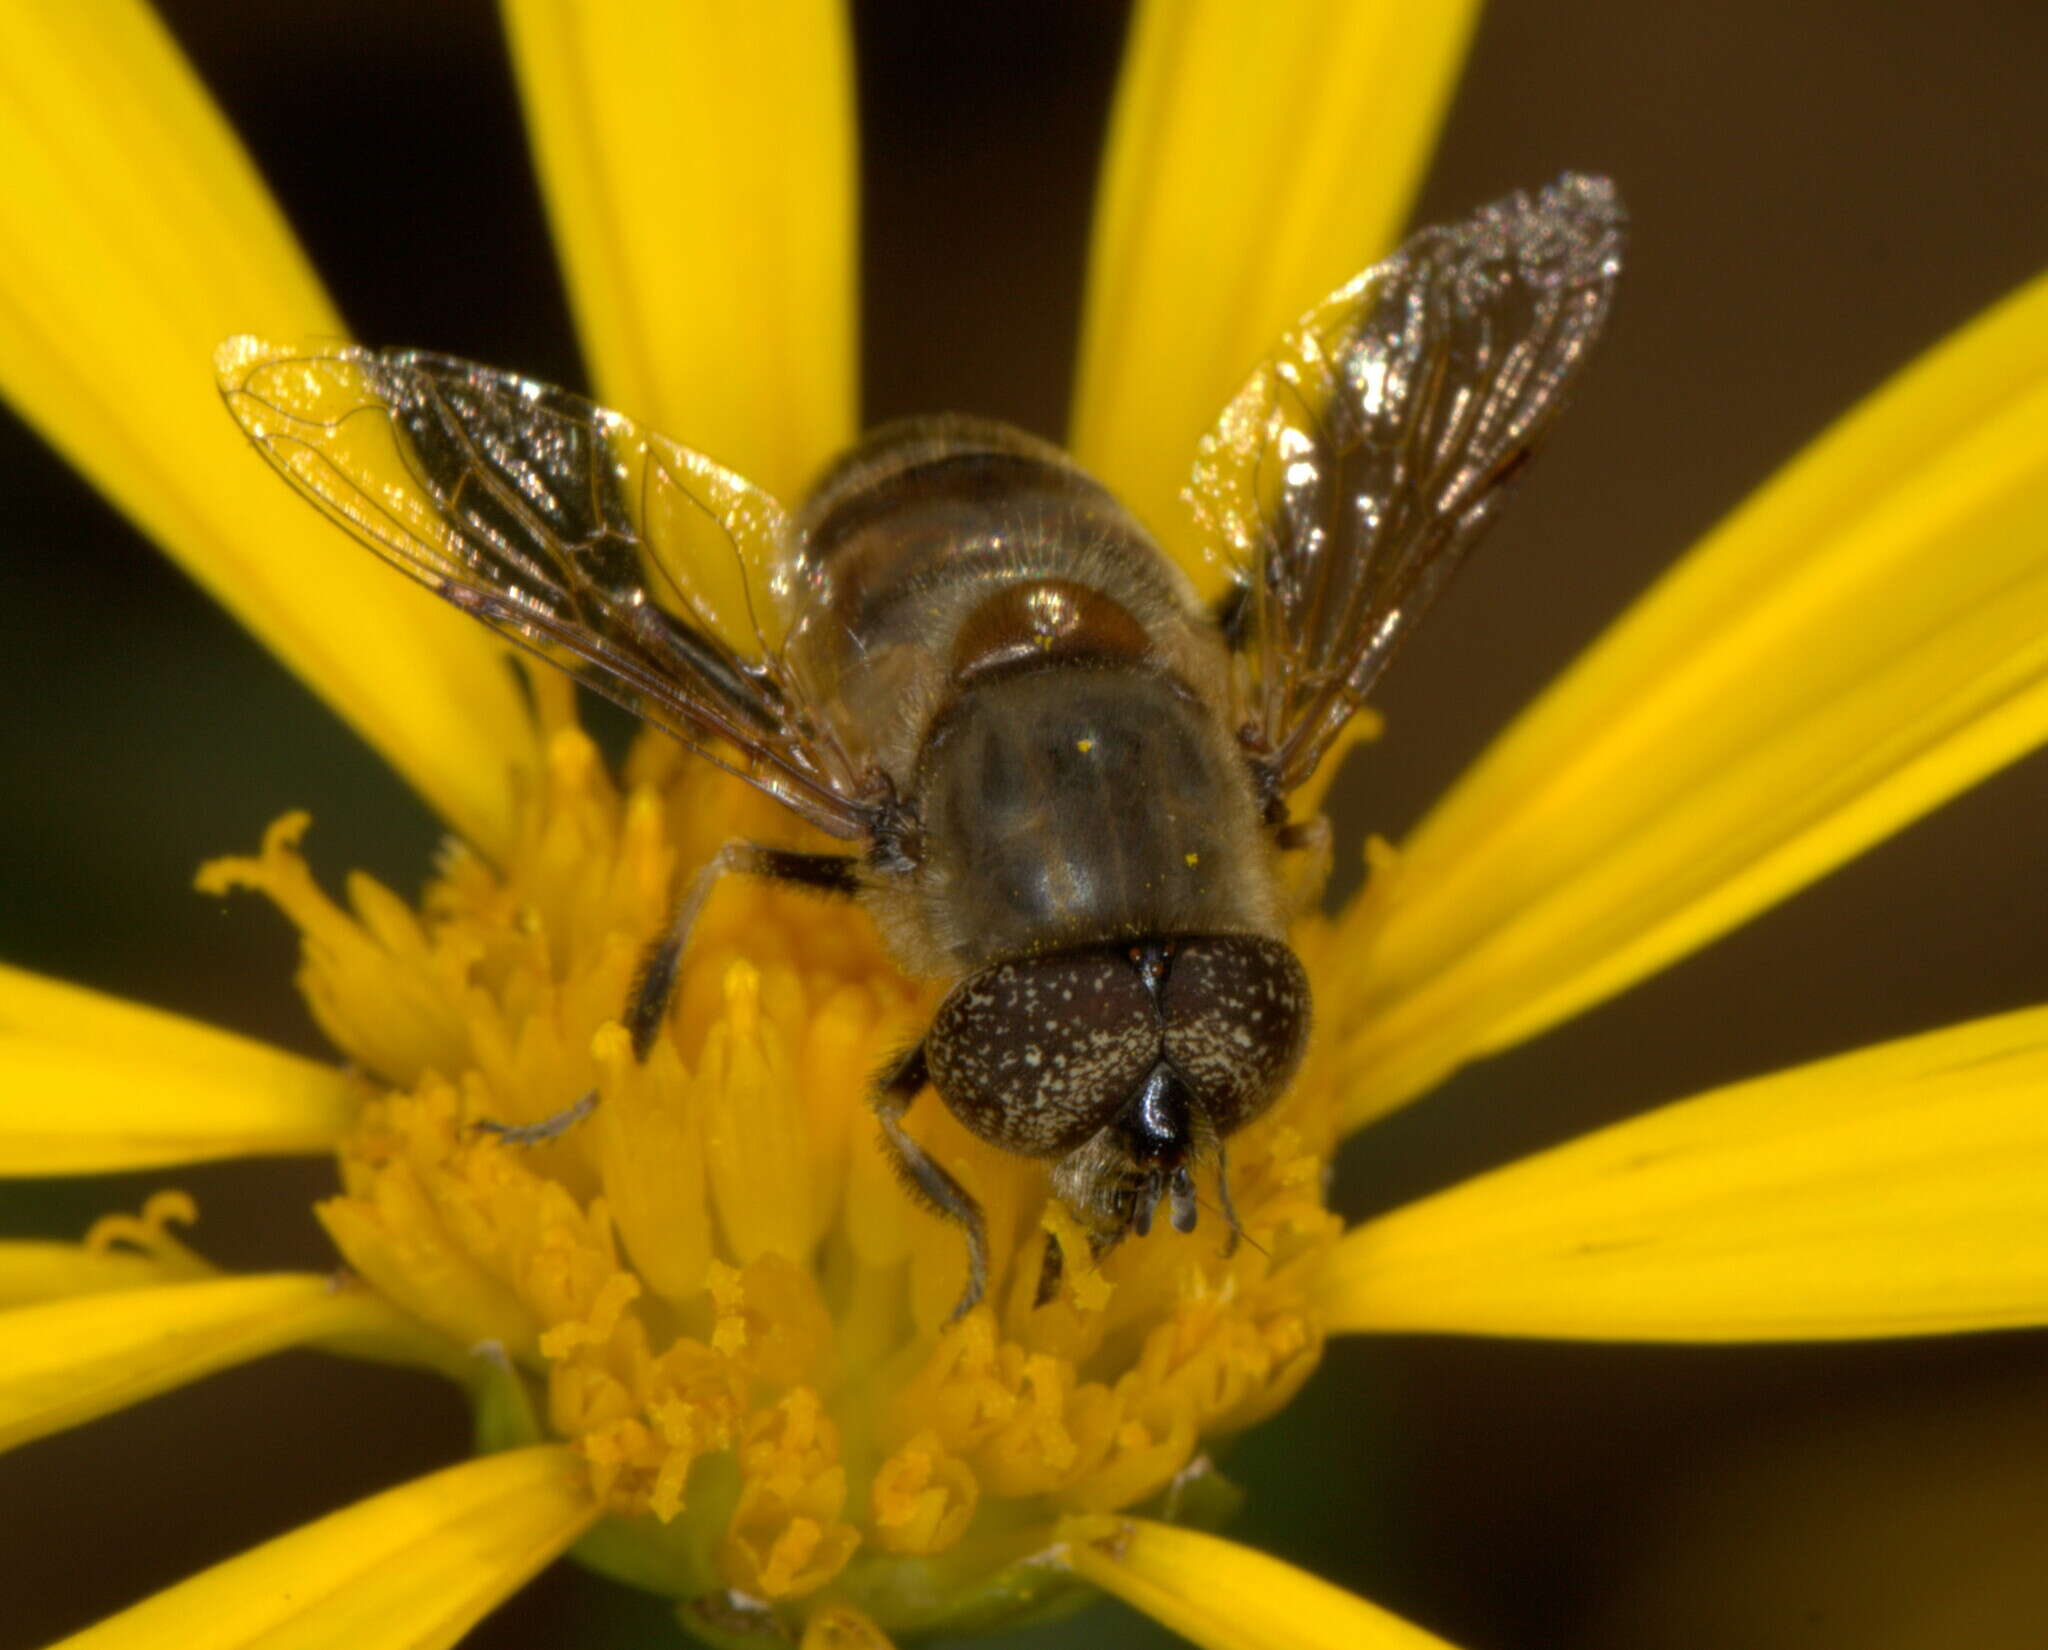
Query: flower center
{"x":715,"y":1288}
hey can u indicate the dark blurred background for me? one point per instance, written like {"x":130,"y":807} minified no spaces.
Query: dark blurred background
{"x":1818,"y":191}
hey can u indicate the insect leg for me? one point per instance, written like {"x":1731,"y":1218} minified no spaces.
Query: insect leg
{"x":550,"y":1127}
{"x":1297,"y":834}
{"x":1236,"y":1232}
{"x":930,"y":1184}
{"x":654,"y":985}
{"x":654,"y":982}
{"x":1308,"y":847}
{"x":1052,"y":1267}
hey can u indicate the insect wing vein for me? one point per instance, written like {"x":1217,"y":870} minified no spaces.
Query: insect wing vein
{"x":648,"y":572}
{"x":1345,"y":483}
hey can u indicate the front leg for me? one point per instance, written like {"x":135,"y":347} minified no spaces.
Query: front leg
{"x":1308,"y":855}
{"x":654,"y":981}
{"x":930,"y":1184}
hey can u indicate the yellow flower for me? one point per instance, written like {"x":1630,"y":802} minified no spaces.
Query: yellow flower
{"x":705,"y":1335}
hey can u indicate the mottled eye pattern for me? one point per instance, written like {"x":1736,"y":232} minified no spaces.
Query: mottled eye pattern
{"x":1037,"y":1055}
{"x":1032,"y":1055}
{"x":1237,"y":1014}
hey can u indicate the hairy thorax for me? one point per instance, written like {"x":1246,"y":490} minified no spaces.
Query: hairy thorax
{"x":1043,"y":693}
{"x":1069,"y":807}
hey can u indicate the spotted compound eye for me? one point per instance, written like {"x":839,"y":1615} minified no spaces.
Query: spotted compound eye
{"x":1036,"y":1055}
{"x":1236,"y":1009}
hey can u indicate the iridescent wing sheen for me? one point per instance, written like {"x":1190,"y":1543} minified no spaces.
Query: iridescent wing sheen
{"x":646,"y":571}
{"x":1344,"y":485}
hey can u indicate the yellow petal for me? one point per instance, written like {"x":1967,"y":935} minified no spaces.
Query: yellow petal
{"x":120,"y":1252}
{"x":1863,"y":639}
{"x":136,"y":237}
{"x":1258,"y":157}
{"x":1898,"y":1190}
{"x":91,"y":1084}
{"x":1226,"y":1597}
{"x":66,"y":1361}
{"x":411,"y":1569}
{"x":38,"y":1271}
{"x":698,"y":164}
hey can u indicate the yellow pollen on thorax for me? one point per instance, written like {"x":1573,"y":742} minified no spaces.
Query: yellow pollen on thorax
{"x":714,"y":1287}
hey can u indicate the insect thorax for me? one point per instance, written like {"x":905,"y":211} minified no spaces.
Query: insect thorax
{"x":1041,"y":686}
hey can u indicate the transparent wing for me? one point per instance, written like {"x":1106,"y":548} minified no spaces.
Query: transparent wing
{"x":643,"y":569}
{"x":1345,"y":483}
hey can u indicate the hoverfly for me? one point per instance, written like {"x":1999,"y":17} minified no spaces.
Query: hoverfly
{"x":1062,"y":779}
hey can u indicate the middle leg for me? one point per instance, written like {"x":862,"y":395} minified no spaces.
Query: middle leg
{"x":654,"y":981}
